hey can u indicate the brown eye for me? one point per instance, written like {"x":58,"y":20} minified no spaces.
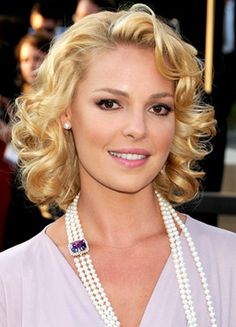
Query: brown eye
{"x":108,"y":104}
{"x":160,"y":109}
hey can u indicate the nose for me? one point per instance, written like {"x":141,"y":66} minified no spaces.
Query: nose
{"x":135,"y":125}
{"x":31,"y":65}
{"x":34,"y":64}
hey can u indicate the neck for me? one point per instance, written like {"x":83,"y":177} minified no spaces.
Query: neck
{"x":80,"y":250}
{"x":117,"y":218}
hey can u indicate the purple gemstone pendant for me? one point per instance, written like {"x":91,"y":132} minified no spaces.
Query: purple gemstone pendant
{"x":78,"y":247}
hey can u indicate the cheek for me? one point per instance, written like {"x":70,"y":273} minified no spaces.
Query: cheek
{"x":165,"y":134}
{"x":171,"y":133}
{"x":22,"y":67}
{"x":90,"y":131}
{"x":39,"y":62}
{"x":25,"y":68}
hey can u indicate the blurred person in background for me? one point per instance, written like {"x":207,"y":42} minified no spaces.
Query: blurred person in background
{"x":30,"y":53}
{"x":86,"y":7}
{"x":7,"y":93}
{"x":46,"y":17}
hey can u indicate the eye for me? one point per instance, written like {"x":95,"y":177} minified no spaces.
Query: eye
{"x":108,"y":104}
{"x":161,"y":109}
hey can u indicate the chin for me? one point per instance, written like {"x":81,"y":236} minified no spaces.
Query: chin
{"x":128,"y":189}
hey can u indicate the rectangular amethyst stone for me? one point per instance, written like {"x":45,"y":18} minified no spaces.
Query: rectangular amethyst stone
{"x":78,"y":247}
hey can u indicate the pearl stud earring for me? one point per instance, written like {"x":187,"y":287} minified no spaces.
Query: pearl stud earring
{"x":67,"y":125}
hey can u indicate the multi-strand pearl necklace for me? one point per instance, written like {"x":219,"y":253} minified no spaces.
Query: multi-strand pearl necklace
{"x":78,"y":248}
{"x":171,"y":218}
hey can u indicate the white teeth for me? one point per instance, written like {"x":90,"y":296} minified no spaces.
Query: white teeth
{"x":128,"y":156}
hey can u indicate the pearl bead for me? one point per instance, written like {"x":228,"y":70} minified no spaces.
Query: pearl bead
{"x":93,"y":285}
{"x":171,"y":218}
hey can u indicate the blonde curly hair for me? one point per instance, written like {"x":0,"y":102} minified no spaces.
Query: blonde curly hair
{"x":47,"y":152}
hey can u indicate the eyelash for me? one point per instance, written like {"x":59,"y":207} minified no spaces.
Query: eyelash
{"x":103,"y":102}
{"x":108,"y":104}
{"x":160,"y":107}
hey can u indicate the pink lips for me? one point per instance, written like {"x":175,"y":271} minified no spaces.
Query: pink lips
{"x":130,"y":157}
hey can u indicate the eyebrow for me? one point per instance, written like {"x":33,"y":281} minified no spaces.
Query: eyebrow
{"x":157,"y":95}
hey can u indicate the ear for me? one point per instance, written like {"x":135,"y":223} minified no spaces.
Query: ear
{"x":65,"y":119}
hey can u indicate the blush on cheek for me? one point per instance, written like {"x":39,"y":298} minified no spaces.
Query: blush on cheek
{"x":96,"y":132}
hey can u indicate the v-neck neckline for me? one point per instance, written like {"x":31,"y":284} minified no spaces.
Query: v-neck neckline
{"x":161,"y":281}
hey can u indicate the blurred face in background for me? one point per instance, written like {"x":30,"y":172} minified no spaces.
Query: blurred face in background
{"x":84,"y":8}
{"x":43,"y":25}
{"x":30,"y":59}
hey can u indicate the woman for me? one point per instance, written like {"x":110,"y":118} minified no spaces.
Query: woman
{"x":127,"y":127}
{"x":30,"y":53}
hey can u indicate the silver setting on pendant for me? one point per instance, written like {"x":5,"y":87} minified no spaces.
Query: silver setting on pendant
{"x":78,"y":247}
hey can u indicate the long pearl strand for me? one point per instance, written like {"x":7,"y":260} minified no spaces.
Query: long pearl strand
{"x":170,"y":217}
{"x":78,"y":248}
{"x":85,"y":266}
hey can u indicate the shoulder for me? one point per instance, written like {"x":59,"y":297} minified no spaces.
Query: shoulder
{"x":13,"y":261}
{"x":214,"y":241}
{"x":208,"y":230}
{"x":15,"y":265}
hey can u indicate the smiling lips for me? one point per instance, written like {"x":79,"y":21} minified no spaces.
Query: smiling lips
{"x":130,"y":158}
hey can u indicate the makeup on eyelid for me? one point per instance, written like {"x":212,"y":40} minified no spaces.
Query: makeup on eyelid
{"x":109,"y":104}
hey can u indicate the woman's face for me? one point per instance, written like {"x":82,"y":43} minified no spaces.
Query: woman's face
{"x":123,"y":120}
{"x":30,"y":59}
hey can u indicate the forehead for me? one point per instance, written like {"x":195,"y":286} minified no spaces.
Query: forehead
{"x":28,"y":49}
{"x":125,"y":65}
{"x":40,"y":21}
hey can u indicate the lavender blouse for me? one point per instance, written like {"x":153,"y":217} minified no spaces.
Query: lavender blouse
{"x":38,"y":288}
